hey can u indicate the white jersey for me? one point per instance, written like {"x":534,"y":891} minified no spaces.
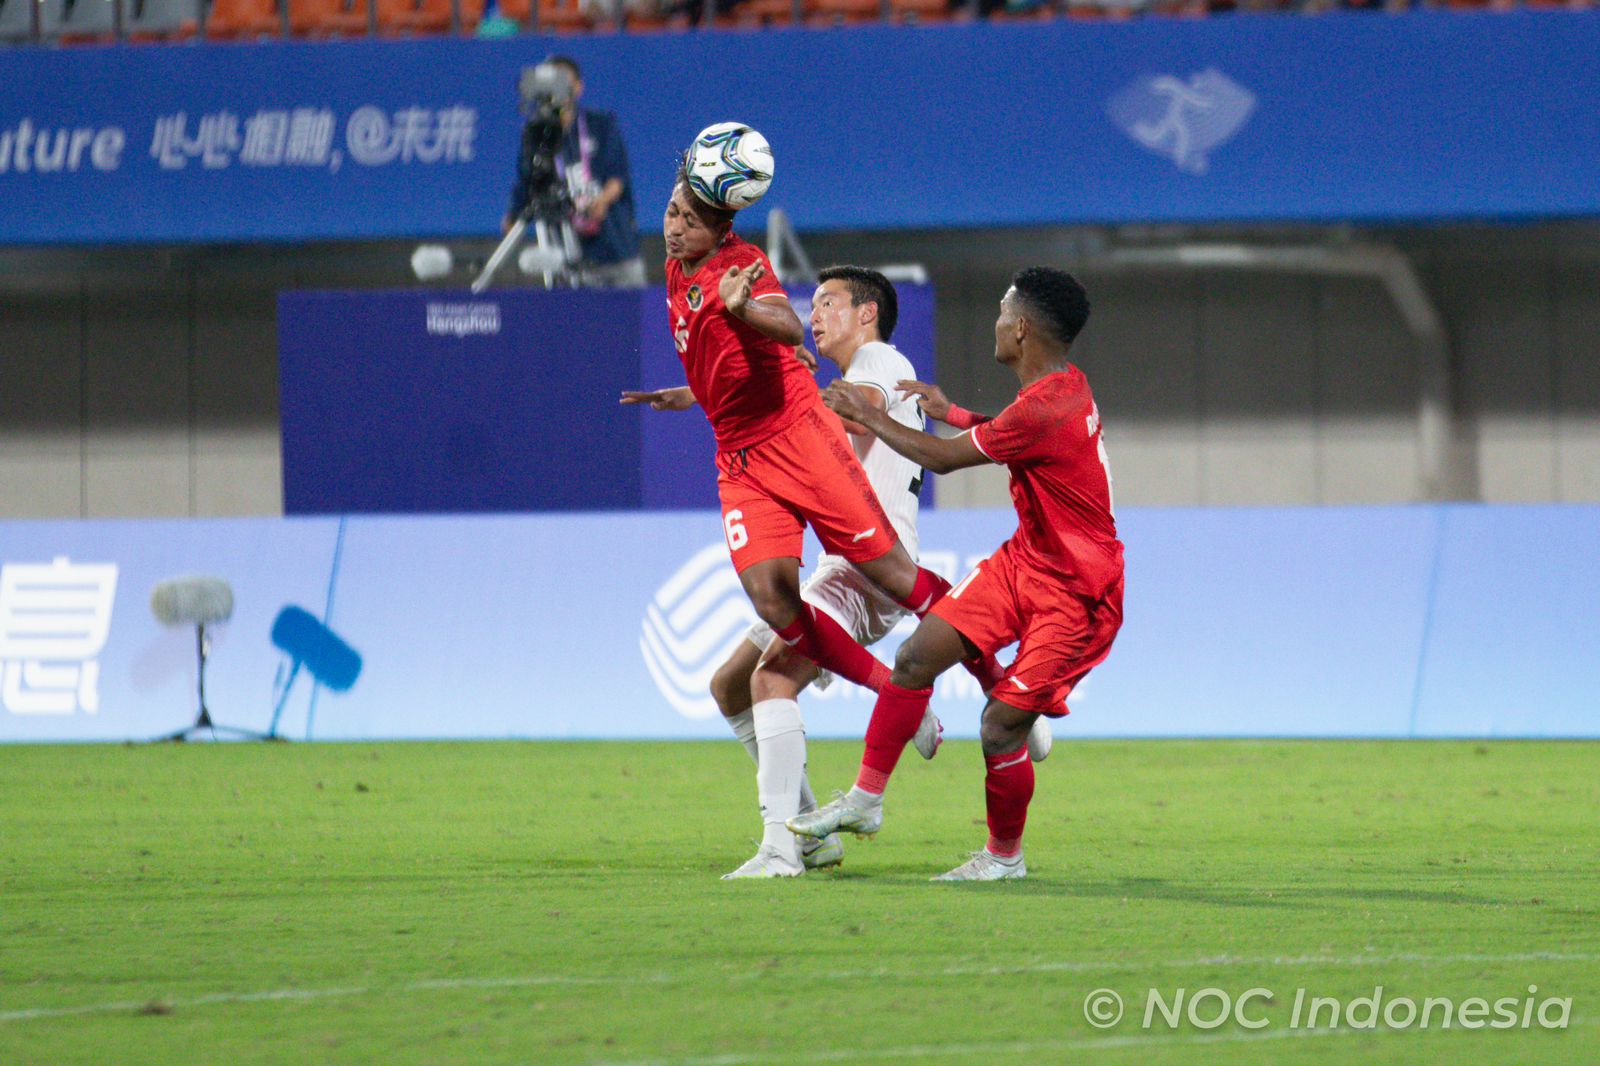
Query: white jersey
{"x":896,"y":479}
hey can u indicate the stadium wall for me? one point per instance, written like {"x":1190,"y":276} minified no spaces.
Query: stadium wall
{"x":144,"y":382}
{"x":1437,"y":621}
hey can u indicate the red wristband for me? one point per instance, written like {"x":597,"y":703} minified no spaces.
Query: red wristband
{"x":961,"y":418}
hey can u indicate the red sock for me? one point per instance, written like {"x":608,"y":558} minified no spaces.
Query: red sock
{"x":894,"y":722}
{"x":822,"y":640}
{"x":1008,"y":788}
{"x":928,"y":590}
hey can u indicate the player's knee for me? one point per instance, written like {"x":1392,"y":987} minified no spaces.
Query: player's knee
{"x":1003,"y":729}
{"x":913,"y":668}
{"x":776,"y":604}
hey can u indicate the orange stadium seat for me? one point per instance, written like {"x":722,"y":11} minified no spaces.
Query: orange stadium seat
{"x":919,"y":11}
{"x":562,"y":16}
{"x":843,"y":12}
{"x":753,"y":14}
{"x":233,"y":19}
{"x":403,"y":17}
{"x":328,"y":18}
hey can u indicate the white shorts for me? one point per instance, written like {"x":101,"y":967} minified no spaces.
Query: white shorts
{"x":850,"y":598}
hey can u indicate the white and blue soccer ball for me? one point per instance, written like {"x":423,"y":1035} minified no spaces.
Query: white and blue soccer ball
{"x":730,"y":165}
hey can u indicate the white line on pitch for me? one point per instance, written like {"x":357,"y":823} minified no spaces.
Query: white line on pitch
{"x":559,"y":980}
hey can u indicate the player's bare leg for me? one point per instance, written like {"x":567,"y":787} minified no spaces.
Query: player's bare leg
{"x":1008,"y":788}
{"x":932,"y":649}
{"x":773,"y":586}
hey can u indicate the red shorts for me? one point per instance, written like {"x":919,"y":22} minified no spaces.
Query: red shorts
{"x":1064,"y":634}
{"x":809,"y":473}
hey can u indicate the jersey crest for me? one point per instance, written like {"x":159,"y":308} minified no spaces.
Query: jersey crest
{"x":695,"y":297}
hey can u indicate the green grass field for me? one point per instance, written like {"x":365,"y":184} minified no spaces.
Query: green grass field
{"x":555,"y":903}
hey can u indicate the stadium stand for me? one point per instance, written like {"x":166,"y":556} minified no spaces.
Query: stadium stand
{"x":16,"y":21}
{"x":330,"y":18}
{"x":160,"y":20}
{"x":77,"y":21}
{"x":243,"y":19}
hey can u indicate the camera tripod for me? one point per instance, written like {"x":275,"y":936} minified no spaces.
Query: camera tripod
{"x":553,"y":236}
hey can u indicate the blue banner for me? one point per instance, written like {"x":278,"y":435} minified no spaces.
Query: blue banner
{"x":1430,"y":115}
{"x":421,"y":401}
{"x":1445,"y":621}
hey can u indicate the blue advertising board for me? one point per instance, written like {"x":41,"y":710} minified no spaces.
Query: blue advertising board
{"x":419,"y":401}
{"x":1439,"y":621}
{"x":1428,"y":115}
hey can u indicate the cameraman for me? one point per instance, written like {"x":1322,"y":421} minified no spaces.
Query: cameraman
{"x":592,"y":164}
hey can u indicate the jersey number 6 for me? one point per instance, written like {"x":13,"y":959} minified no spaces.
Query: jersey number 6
{"x":737,"y":537}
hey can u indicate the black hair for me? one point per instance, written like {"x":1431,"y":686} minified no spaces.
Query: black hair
{"x":568,"y":62}
{"x":868,"y":286}
{"x":711,"y":216}
{"x":1056,"y":297}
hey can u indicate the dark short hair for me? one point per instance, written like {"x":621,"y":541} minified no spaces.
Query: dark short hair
{"x":1056,"y":297}
{"x":711,"y":216}
{"x":868,"y":286}
{"x":568,"y":62}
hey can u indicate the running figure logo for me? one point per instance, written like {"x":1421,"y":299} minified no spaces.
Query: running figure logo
{"x":54,"y":621}
{"x":1183,"y":120}
{"x":694,"y":622}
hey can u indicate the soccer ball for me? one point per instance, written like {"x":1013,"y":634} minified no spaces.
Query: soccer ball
{"x":730,"y":165}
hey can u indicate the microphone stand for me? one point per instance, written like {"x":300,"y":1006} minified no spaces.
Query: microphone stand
{"x":203,"y":648}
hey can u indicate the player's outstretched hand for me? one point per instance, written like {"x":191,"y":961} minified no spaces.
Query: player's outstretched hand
{"x":678,"y":399}
{"x":806,"y":357}
{"x":930,"y":398}
{"x":734,"y":288}
{"x":846,"y":402}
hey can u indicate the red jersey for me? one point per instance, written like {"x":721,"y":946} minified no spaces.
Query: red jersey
{"x":751,"y":387}
{"x":1060,"y":480}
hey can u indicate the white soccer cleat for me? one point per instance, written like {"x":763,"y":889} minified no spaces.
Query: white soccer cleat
{"x":841,"y":814}
{"x":929,"y":735}
{"x":818,"y":854}
{"x":1040,"y":739}
{"x":986,"y":867}
{"x":766,"y":863}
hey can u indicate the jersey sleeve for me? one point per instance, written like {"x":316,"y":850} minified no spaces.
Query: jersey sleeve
{"x":766,"y":286}
{"x":1016,"y":434}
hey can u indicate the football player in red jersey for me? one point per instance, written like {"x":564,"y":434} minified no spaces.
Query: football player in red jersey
{"x":1055,"y":586}
{"x":783,"y":459}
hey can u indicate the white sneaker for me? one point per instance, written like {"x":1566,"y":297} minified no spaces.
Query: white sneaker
{"x":817,"y":854}
{"x":986,"y":867}
{"x":840,"y":814}
{"x":766,"y":863}
{"x":930,"y":734}
{"x":1040,"y":739}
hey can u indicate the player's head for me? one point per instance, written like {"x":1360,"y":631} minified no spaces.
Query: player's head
{"x":852,"y":306}
{"x":1045,"y":307}
{"x":693,"y":228}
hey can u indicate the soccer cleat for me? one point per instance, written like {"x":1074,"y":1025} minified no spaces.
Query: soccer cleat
{"x":818,"y":854}
{"x":840,"y":814}
{"x":930,"y":734}
{"x":1040,"y":739}
{"x":984,"y":866}
{"x":766,"y":863}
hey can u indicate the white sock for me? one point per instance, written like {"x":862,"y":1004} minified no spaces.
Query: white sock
{"x":743,"y":725}
{"x":780,"y":768}
{"x":860,"y":797}
{"x":808,"y":799}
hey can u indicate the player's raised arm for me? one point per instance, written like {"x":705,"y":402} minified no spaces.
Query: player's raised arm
{"x":769,"y":314}
{"x":677,"y":399}
{"x":938,"y":454}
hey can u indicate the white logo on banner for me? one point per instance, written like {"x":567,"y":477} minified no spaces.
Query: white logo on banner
{"x":1183,"y":120}
{"x":463,"y":320}
{"x":54,"y":621}
{"x":304,"y":137}
{"x":694,"y":623}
